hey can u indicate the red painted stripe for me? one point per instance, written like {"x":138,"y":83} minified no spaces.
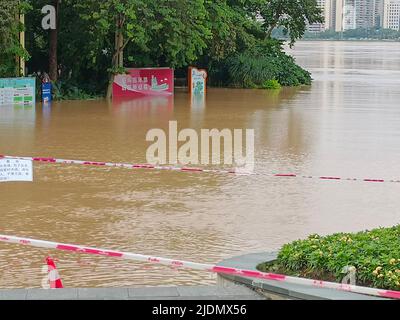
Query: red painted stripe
{"x":192,"y":169}
{"x":373,"y":180}
{"x":68,"y":248}
{"x":390,"y":294}
{"x":224,"y":270}
{"x":114,"y":254}
{"x":276,"y":277}
{"x":94,"y":163}
{"x":250,"y":273}
{"x":142,"y":166}
{"x":45,"y":159}
{"x":330,"y":178}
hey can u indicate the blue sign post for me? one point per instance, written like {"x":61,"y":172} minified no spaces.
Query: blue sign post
{"x":46,"y":92}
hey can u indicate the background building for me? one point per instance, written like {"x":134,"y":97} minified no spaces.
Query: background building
{"x":349,"y":19}
{"x":365,"y":13}
{"x":379,"y":4}
{"x":391,"y":14}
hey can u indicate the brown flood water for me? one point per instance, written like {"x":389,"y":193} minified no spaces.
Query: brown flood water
{"x":346,"y":124}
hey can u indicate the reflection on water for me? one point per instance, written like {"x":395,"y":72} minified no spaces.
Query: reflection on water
{"x":347,"y":124}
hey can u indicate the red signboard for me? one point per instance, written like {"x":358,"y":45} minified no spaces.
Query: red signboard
{"x":144,"y":82}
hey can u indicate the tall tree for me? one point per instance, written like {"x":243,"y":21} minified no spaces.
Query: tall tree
{"x":291,"y":15}
{"x":10,"y":28}
{"x":53,"y":44}
{"x":123,"y":19}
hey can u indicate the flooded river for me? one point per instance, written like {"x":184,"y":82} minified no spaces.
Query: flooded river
{"x":346,"y":124}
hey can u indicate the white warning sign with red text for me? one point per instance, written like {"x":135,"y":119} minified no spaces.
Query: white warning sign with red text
{"x":16,"y":170}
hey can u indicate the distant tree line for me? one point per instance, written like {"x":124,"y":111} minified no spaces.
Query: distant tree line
{"x":97,"y":39}
{"x":360,"y":33}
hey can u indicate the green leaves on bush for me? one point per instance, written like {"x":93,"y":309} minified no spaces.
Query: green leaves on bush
{"x":271,"y":85}
{"x":66,"y":90}
{"x":375,"y":254}
{"x":257,"y":66}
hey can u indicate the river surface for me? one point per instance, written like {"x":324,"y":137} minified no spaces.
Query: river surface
{"x":346,"y":124}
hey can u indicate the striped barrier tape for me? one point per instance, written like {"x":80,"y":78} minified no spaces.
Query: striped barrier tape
{"x":237,"y":171}
{"x":200,"y":266}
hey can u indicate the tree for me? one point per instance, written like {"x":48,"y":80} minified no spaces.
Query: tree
{"x":119,"y":20}
{"x":291,"y":15}
{"x":10,"y":27}
{"x":178,"y":33}
{"x":53,"y":44}
{"x":233,"y":25}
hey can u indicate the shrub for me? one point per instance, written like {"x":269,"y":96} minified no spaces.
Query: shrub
{"x":255,"y":66}
{"x":271,"y":85}
{"x":375,"y":254}
{"x":65,"y":90}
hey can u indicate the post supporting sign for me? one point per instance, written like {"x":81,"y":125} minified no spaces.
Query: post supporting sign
{"x":13,"y":170}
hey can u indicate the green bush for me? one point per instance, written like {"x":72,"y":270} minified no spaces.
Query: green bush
{"x":271,"y":85}
{"x":255,"y":66}
{"x":66,"y":90}
{"x":375,"y":254}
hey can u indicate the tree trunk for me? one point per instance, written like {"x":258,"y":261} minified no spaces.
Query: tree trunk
{"x":53,"y":43}
{"x":118,"y":57}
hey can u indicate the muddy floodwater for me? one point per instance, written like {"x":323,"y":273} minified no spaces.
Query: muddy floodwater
{"x":347,"y":124}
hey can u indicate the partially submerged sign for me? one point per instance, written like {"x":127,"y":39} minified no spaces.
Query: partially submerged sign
{"x":144,"y":82}
{"x":197,"y":81}
{"x":16,"y":170}
{"x":17,"y":91}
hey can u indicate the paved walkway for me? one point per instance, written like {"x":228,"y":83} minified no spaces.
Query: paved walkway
{"x":235,"y":292}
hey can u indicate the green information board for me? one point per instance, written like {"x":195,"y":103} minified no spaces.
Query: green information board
{"x":18,"y":91}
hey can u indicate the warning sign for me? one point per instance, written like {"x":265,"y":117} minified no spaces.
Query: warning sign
{"x":16,"y":170}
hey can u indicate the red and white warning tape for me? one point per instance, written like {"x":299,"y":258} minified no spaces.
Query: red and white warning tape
{"x":191,"y":169}
{"x":200,"y":266}
{"x":119,"y":165}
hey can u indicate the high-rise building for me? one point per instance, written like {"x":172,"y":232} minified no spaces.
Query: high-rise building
{"x":391,"y":14}
{"x":349,"y":20}
{"x":351,"y":14}
{"x":365,"y":13}
{"x":379,"y":5}
{"x":336,"y":15}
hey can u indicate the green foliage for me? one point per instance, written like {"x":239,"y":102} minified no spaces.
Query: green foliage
{"x":271,"y":85}
{"x":359,"y":33}
{"x":291,"y":16}
{"x":65,"y":90}
{"x":10,"y":27}
{"x":375,"y":254}
{"x":254,"y":67}
{"x":247,"y":71}
{"x":168,"y":33}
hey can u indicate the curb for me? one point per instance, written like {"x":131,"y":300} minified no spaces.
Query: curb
{"x":275,"y":290}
